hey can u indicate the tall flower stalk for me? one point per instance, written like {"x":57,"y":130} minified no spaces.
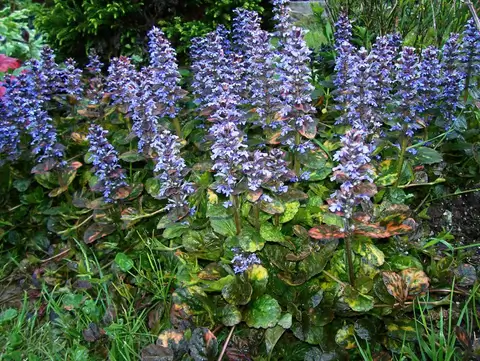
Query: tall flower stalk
{"x":111,"y":176}
{"x":171,"y":170}
{"x":355,"y":175}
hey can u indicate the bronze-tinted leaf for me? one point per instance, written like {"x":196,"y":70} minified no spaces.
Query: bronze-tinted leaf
{"x":416,"y":281}
{"x":326,"y":232}
{"x":463,"y":338}
{"x":395,"y":285}
{"x":97,"y":231}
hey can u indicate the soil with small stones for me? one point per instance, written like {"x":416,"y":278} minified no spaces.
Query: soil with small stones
{"x":461,"y":216}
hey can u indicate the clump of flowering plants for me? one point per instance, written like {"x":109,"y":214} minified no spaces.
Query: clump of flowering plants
{"x":284,"y":222}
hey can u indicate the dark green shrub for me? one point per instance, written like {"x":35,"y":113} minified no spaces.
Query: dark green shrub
{"x":114,"y":27}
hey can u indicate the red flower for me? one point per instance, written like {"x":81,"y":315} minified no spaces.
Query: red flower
{"x":7,"y":63}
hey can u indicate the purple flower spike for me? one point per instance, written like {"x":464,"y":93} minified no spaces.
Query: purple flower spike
{"x":406,"y":95}
{"x":164,"y":74}
{"x":51,"y":73}
{"x":282,"y":17}
{"x":452,"y":78}
{"x":72,"y":79}
{"x":428,"y":84}
{"x":295,"y":76}
{"x":111,"y":176}
{"x":171,"y":171}
{"x":122,"y":81}
{"x":352,"y":172}
{"x":471,"y":49}
{"x":343,"y":31}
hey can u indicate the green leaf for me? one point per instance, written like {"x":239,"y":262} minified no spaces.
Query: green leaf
{"x":345,"y":337}
{"x":272,"y":335}
{"x":124,"y":262}
{"x":401,"y":262}
{"x":225,"y":227}
{"x":427,"y":155}
{"x":265,"y":312}
{"x":273,"y":207}
{"x":22,"y":185}
{"x":250,"y":240}
{"x":230,"y":315}
{"x":152,"y":186}
{"x":286,"y":321}
{"x":131,"y":156}
{"x":270,"y":233}
{"x":237,"y":292}
{"x":8,"y":315}
{"x":358,"y":302}
{"x":175,"y":230}
{"x":291,"y":209}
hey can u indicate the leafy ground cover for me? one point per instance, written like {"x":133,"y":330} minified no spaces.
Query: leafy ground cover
{"x":262,"y":204}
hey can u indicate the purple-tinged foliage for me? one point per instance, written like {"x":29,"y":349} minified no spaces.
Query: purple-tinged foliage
{"x":242,"y":261}
{"x":352,"y":172}
{"x":406,"y":98}
{"x":72,"y":79}
{"x":296,"y":88}
{"x":452,"y":78}
{"x":104,"y":158}
{"x":171,"y":171}
{"x":428,"y":84}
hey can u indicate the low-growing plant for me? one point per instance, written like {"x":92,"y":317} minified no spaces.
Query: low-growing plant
{"x":229,"y":202}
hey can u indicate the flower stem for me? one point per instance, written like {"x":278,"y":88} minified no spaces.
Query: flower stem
{"x":296,"y":161}
{"x":348,"y":253}
{"x":178,"y":128}
{"x":236,"y":215}
{"x":401,"y":159}
{"x":256,"y":216}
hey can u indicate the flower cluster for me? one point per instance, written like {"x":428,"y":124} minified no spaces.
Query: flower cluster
{"x":452,"y":78}
{"x":171,"y":171}
{"x":352,"y":172}
{"x":296,"y":88}
{"x":471,"y":48}
{"x":121,"y":82}
{"x":242,"y":261}
{"x":406,"y":97}
{"x":282,"y":18}
{"x":95,"y":89}
{"x":104,"y":157}
{"x":267,"y":170}
{"x":163,"y":74}
{"x":72,"y":79}
{"x":428,"y":83}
